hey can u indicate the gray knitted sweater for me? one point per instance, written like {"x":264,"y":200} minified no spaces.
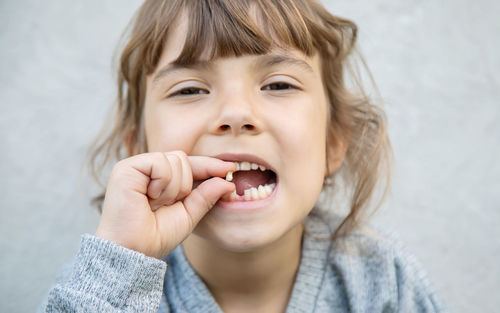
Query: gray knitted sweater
{"x":358,"y":273}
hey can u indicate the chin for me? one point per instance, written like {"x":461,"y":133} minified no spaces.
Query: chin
{"x":240,"y":238}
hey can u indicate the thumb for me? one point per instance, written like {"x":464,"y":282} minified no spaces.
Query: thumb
{"x":204,"y":197}
{"x":177,"y":221}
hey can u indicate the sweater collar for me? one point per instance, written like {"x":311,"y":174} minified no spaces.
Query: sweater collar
{"x":316,"y":244}
{"x":184,"y":287}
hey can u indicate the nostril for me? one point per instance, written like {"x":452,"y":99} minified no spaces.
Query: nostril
{"x":225,"y":128}
{"x":248,"y":127}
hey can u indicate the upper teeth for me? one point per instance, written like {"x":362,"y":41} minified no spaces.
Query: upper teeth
{"x":247,"y":166}
{"x":244,"y":166}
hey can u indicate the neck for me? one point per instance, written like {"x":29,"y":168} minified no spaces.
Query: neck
{"x":238,"y":279}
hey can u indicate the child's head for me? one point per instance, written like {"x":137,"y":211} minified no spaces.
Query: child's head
{"x":266,"y":78}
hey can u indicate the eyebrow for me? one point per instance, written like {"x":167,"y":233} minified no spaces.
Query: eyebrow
{"x":174,"y":67}
{"x":267,"y":60}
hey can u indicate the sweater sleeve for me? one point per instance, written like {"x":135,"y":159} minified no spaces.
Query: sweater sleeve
{"x":106,"y":277}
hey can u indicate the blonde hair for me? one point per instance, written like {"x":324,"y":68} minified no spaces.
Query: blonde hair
{"x":225,"y":28}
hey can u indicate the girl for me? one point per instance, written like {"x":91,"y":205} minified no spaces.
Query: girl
{"x":232,"y":117}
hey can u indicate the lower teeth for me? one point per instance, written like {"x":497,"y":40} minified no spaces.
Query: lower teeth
{"x":251,"y":194}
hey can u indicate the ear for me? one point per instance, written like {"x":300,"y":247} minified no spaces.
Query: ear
{"x":131,"y":143}
{"x":336,"y":150}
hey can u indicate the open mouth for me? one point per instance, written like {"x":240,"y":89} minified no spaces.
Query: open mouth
{"x":253,"y":182}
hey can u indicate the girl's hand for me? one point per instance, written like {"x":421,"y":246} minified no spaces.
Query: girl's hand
{"x":150,"y":206}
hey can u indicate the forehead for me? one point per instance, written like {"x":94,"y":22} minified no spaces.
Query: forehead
{"x":176,"y":37}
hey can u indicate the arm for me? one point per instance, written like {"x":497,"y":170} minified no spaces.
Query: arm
{"x":106,"y":277}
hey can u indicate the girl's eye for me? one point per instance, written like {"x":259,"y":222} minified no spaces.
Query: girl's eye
{"x":189,"y":92}
{"x":278,"y":86}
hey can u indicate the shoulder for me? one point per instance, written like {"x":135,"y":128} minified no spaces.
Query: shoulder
{"x":374,"y":271}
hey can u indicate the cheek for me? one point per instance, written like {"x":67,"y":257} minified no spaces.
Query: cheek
{"x":303,"y":142}
{"x":304,"y":133}
{"x":168,"y":131}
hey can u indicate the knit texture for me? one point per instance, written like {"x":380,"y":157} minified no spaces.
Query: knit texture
{"x":362,"y":272}
{"x":105,"y":277}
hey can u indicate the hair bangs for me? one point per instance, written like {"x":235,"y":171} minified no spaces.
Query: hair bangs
{"x":227,"y":28}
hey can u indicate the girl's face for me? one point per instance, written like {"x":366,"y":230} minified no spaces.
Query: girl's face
{"x":266,"y":109}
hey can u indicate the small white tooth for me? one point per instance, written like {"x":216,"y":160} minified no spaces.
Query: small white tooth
{"x":272,"y":185}
{"x":237,"y":166}
{"x":268,"y":189}
{"x":262,"y":192}
{"x":255,"y":193}
{"x":254,"y":166}
{"x":248,"y":194}
{"x":229,"y":176}
{"x":262,"y":168}
{"x":232,"y":196}
{"x":245,"y":166}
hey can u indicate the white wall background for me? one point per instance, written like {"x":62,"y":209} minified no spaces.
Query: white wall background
{"x":436,"y":63}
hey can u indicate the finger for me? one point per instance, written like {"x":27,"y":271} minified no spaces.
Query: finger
{"x":204,"y":197}
{"x":205,"y":167}
{"x":148,"y":166}
{"x":161,"y":175}
{"x":186,"y":183}
{"x":171,"y":190}
{"x":174,"y":225}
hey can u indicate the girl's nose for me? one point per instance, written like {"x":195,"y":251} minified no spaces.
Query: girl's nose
{"x":237,"y":117}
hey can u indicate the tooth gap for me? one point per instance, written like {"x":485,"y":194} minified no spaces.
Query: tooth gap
{"x":272,"y":177}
